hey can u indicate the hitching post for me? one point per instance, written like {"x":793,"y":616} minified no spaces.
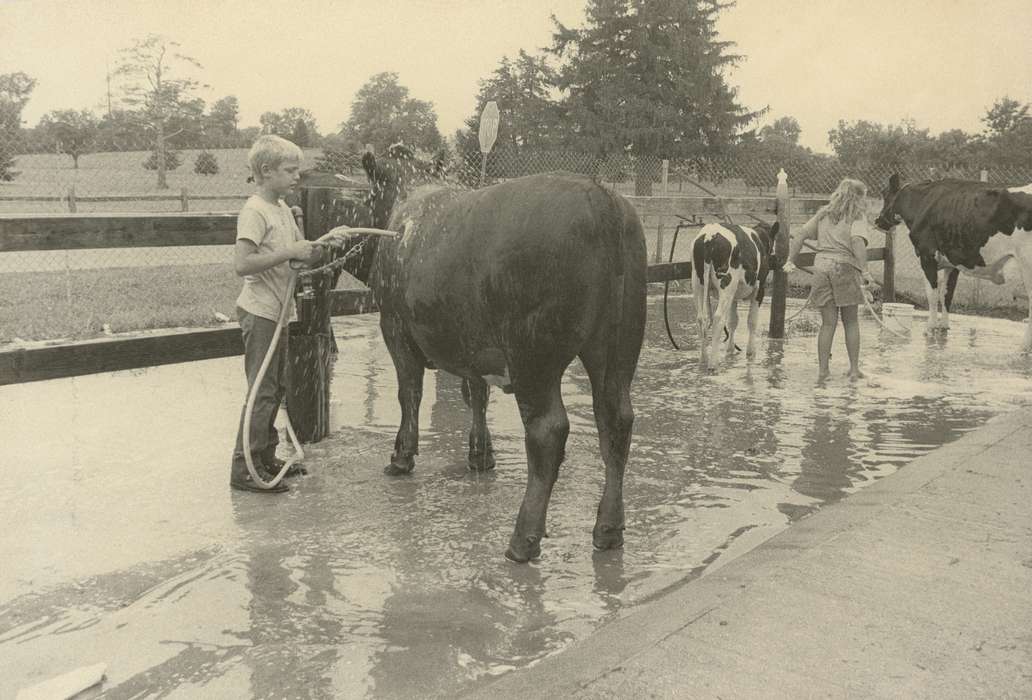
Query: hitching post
{"x":488,"y":134}
{"x":780,"y":287}
{"x":311,"y":345}
{"x":659,"y":227}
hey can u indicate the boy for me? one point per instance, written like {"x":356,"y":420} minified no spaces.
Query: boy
{"x":267,"y":238}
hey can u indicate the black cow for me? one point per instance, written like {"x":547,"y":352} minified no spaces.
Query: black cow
{"x":507,"y":285}
{"x":979,"y":229}
{"x":733,"y":261}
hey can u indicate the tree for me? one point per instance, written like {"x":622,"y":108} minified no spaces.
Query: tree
{"x":301,"y":135}
{"x":382,"y":114}
{"x":220,"y":124}
{"x":785,"y":129}
{"x":284,"y":123}
{"x":647,"y":78}
{"x":171,"y":161}
{"x":206,"y":163}
{"x":70,"y":131}
{"x":867,"y":144}
{"x":529,"y":117}
{"x":162,"y":100}
{"x":1005,"y":115}
{"x":15,"y":90}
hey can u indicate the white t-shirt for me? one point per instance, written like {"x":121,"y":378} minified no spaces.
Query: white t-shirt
{"x":271,"y":227}
{"x":835,"y":240}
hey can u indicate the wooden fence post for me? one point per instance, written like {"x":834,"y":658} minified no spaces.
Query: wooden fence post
{"x":780,"y":287}
{"x":71,"y":199}
{"x":889,"y":268}
{"x":184,"y":200}
{"x":659,"y":227}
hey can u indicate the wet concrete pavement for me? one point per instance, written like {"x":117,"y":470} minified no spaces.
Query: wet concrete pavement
{"x":920,"y":586}
{"x":121,"y":541}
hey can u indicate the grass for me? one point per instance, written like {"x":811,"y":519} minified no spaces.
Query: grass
{"x":76,"y":304}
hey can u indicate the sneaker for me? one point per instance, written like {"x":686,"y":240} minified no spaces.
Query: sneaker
{"x":274,"y":464}
{"x":244,"y":482}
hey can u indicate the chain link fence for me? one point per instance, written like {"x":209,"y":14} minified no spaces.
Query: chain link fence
{"x":106,"y":290}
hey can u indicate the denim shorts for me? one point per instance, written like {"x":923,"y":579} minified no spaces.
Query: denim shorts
{"x":835,"y":283}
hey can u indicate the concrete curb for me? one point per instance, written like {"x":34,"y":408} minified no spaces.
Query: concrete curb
{"x":683,"y":644}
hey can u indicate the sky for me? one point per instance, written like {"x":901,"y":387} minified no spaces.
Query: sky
{"x":939,"y":62}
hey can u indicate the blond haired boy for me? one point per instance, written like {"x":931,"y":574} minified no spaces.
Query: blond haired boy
{"x":267,"y":239}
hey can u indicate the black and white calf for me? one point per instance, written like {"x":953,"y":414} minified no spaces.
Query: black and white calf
{"x":981,"y":230}
{"x":733,"y":262}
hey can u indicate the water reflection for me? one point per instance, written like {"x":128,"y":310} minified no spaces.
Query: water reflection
{"x":356,"y":584}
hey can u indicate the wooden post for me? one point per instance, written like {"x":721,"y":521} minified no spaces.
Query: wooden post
{"x":889,"y":268}
{"x":184,"y":200}
{"x":309,"y":348}
{"x":71,"y":199}
{"x":661,"y":222}
{"x":780,"y":287}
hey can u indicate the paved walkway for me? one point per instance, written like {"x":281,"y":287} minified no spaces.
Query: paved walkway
{"x":917,"y":586}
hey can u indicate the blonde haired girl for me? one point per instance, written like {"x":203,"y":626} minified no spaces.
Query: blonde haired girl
{"x":840,"y":229}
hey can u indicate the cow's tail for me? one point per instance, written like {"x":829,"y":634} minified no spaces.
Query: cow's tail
{"x":624,"y":279}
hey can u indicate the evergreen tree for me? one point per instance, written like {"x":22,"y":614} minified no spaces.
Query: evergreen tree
{"x":647,"y":78}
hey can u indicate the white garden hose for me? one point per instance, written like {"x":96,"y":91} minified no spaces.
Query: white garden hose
{"x":336,"y":236}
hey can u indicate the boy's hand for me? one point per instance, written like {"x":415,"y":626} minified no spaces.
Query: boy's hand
{"x":303,"y":250}
{"x":789,"y":267}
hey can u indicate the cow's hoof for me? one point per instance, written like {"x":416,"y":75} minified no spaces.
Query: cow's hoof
{"x":400,"y":466}
{"x":483,"y":462}
{"x":607,"y":537}
{"x":523,"y":550}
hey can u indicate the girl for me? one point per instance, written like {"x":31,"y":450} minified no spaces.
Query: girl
{"x":839,"y":270}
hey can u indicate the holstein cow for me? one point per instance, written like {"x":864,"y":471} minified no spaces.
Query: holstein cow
{"x":506,"y":285}
{"x":981,"y":230}
{"x":734,"y":261}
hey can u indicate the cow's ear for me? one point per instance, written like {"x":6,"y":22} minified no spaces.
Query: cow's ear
{"x":894,"y":183}
{"x":369,"y":165}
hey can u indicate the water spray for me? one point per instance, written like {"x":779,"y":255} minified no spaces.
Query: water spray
{"x":335,"y":238}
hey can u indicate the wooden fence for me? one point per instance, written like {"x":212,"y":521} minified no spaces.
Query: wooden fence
{"x":82,"y":231}
{"x":72,"y":200}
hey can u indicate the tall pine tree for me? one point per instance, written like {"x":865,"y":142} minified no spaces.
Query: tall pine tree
{"x":648,"y":78}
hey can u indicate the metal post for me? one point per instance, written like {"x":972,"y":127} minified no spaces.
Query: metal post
{"x":889,"y":268}
{"x":71,"y":199}
{"x":780,"y":287}
{"x":184,"y":200}
{"x":483,"y":168}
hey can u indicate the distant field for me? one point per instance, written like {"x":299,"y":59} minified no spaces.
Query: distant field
{"x":105,"y":174}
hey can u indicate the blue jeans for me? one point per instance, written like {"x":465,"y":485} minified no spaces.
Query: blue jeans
{"x":258,"y":332}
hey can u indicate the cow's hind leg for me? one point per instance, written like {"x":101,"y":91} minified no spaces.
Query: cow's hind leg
{"x":931,"y":273}
{"x":409,"y":364}
{"x":943,"y":275}
{"x":611,"y":397}
{"x":751,"y":321}
{"x":475,"y":392}
{"x":547,"y":427}
{"x":732,"y":326}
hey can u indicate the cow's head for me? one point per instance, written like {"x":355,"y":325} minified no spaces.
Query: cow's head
{"x":394,"y":175}
{"x":768,"y":235}
{"x":889,"y":217}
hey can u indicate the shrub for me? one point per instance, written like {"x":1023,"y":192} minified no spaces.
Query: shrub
{"x":172,"y":160}
{"x":206,"y":164}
